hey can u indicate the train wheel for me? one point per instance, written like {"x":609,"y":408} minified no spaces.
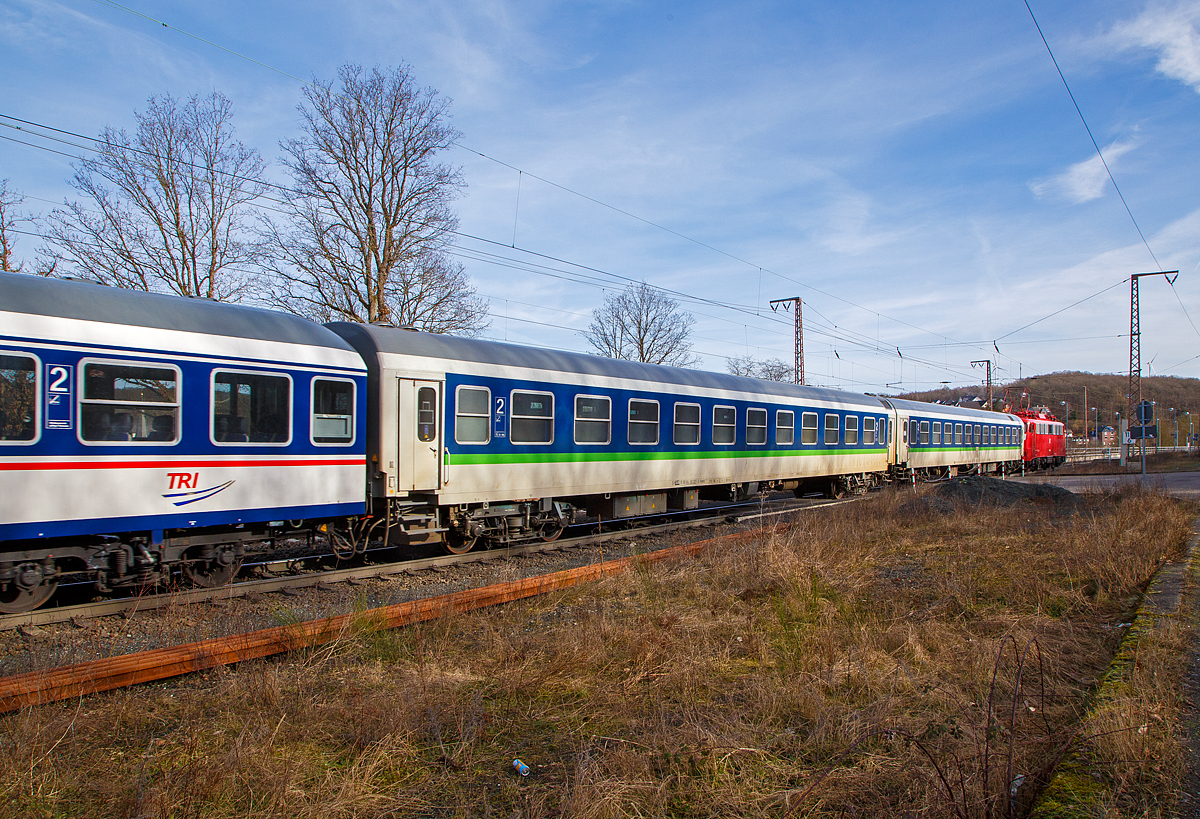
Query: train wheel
{"x":551,"y":531}
{"x":459,"y":545}
{"x":28,"y":590}
{"x":218,"y":571}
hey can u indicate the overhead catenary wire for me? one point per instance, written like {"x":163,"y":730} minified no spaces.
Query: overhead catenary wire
{"x":879,"y":348}
{"x":1091,"y":136}
{"x":164,"y":24}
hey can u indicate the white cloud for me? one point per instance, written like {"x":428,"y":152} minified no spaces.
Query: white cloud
{"x":1082,"y":181}
{"x":1171,"y":31}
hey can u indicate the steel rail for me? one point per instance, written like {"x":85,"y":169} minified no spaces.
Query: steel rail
{"x":131,"y":605}
{"x":95,"y":676}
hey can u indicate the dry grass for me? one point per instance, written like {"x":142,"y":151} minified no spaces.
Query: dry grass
{"x":843,"y":667}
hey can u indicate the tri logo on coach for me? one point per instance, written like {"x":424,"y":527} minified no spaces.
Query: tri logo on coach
{"x":190,"y":481}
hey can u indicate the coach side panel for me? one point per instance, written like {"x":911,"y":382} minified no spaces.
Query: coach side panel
{"x":106,"y":428}
{"x":517,"y":437}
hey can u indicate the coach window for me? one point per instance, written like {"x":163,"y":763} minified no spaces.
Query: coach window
{"x":924,"y":433}
{"x":593,"y":419}
{"x":937,"y":433}
{"x":19,"y":422}
{"x":687,"y":424}
{"x":958,"y":434}
{"x":251,"y":408}
{"x":833,"y":428}
{"x":756,"y":426}
{"x":785,"y":427}
{"x":869,"y":432}
{"x":472,"y":415}
{"x":978,"y":436}
{"x":724,"y":430}
{"x":881,"y":431}
{"x":427,"y":412}
{"x":852,"y":430}
{"x":129,"y":403}
{"x":532,"y":418}
{"x":808,"y":428}
{"x":967,"y":435}
{"x":332,"y":412}
{"x":643,"y":422}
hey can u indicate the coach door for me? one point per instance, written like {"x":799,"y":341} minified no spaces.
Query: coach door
{"x":420,"y":434}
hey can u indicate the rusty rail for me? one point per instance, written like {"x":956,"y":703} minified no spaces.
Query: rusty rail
{"x":78,"y":680}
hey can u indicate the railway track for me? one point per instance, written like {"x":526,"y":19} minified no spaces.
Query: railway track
{"x":95,"y":676}
{"x":148,"y":602}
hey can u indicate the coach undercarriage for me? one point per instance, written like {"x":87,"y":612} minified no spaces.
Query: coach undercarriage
{"x":135,"y":560}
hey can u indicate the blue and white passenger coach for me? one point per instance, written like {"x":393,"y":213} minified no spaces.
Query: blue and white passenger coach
{"x":140,"y":432}
{"x":479,"y":438}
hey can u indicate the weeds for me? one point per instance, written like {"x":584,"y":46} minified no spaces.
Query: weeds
{"x":880,"y":658}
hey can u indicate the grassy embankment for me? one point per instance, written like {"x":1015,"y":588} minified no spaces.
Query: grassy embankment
{"x":841,"y":667}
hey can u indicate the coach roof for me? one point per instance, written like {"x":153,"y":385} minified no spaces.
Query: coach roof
{"x":372,"y":339}
{"x":88,"y":301}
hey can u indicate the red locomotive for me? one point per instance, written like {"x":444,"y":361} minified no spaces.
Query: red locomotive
{"x":1045,"y":438}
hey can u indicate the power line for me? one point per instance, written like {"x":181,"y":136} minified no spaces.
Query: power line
{"x":1091,"y":136}
{"x":115,"y":5}
{"x":1062,"y":310}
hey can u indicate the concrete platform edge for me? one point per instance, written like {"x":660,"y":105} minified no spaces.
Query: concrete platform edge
{"x":1077,"y":789}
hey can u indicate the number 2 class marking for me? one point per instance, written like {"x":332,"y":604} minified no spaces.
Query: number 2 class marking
{"x":59,"y":384}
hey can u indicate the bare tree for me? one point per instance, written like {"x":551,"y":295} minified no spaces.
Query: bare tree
{"x":166,"y":205}
{"x":768,"y":369}
{"x":371,"y":219}
{"x":776,"y":369}
{"x":642,"y":324}
{"x":10,"y":200}
{"x":746,"y":365}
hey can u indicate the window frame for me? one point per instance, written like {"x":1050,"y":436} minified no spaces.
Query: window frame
{"x":487,"y":415}
{"x":935,"y":433}
{"x":675,"y":422}
{"x":958,"y":433}
{"x":576,"y":419}
{"x":512,"y":416}
{"x":837,"y":430}
{"x":81,"y":383}
{"x":212,"y":407}
{"x":872,"y":421}
{"x":816,"y":428}
{"x":923,"y":431}
{"x":977,"y":434}
{"x":779,"y":413}
{"x":38,"y":417}
{"x":312,"y":414}
{"x":713,"y":431}
{"x":629,"y":422}
{"x":848,"y":430}
{"x":765,"y":426}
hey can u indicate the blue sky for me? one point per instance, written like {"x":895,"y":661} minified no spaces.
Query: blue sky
{"x":915,"y":172}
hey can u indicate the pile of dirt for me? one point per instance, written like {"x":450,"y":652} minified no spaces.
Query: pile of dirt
{"x":978,"y":489}
{"x":975,"y":490}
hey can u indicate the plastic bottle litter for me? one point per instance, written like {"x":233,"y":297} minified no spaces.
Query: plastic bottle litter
{"x":521,"y":767}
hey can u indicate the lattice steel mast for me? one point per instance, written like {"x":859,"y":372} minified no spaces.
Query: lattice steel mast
{"x":775,"y":303}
